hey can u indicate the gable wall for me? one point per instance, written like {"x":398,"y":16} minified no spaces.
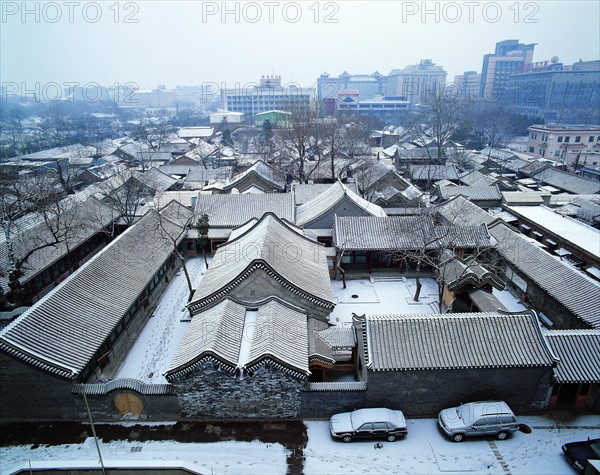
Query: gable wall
{"x":260,"y":286}
{"x":345,"y":207}
{"x":31,"y":393}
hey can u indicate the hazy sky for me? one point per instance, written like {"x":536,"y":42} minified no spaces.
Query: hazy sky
{"x":191,"y":42}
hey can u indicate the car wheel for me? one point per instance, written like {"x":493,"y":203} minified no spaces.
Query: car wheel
{"x":502,"y":435}
{"x":391,"y":438}
{"x":458,"y":437}
{"x":347,"y":438}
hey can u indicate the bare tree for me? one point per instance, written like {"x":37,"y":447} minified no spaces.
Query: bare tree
{"x":34,"y":217}
{"x":174,"y":220}
{"x":125,"y":193}
{"x":433,"y":127}
{"x":300,"y":139}
{"x":429,"y":239}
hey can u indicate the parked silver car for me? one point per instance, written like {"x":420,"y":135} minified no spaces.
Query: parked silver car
{"x":375,"y":423}
{"x":478,"y":418}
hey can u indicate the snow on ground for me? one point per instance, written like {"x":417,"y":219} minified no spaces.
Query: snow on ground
{"x":157,"y":343}
{"x":227,"y":457}
{"x":381,"y":298}
{"x":426,"y":450}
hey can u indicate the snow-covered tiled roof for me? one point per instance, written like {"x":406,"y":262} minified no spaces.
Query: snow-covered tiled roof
{"x":569,"y":287}
{"x":261,"y":171}
{"x":304,"y":192}
{"x":63,"y":331}
{"x":455,"y":341}
{"x":577,"y":234}
{"x":156,"y":179}
{"x":456,"y":272}
{"x":76,"y":222}
{"x":434,"y":172}
{"x":523,"y":197}
{"x":327,"y":200}
{"x":473,"y":193}
{"x":271,"y":245}
{"x":405,"y":233}
{"x":566,"y":181}
{"x":217,"y":333}
{"x":476,"y":178}
{"x":231,"y":210}
{"x":579,"y":355}
{"x":195,"y":132}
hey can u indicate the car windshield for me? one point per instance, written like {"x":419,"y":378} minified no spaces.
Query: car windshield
{"x":596,"y":447}
{"x":465,"y":413}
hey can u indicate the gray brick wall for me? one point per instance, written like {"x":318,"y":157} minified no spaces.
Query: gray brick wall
{"x":323,"y":404}
{"x":29,"y":393}
{"x":425,"y":393}
{"x":209,"y":392}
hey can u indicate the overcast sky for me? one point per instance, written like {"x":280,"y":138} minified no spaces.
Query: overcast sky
{"x":191,"y":42}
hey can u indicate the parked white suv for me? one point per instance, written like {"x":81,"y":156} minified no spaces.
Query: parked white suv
{"x":478,"y":418}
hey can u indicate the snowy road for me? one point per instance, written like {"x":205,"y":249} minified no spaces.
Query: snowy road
{"x":424,"y":451}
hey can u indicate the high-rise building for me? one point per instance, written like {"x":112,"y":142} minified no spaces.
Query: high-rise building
{"x":415,"y":83}
{"x":555,"y":91}
{"x":467,"y":84}
{"x":509,"y":56}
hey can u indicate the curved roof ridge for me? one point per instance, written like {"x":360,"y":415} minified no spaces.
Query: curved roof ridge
{"x":323,"y":202}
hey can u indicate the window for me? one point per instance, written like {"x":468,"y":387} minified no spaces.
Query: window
{"x":557,"y":153}
{"x":584,"y":389}
{"x":560,"y":138}
{"x":578,"y":138}
{"x":567,"y":139}
{"x":531,"y":150}
{"x":591,"y":139}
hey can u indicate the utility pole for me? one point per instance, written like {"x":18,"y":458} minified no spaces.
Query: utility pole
{"x":87,"y":406}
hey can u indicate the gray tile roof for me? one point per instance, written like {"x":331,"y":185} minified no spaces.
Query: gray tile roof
{"x":455,"y":341}
{"x":569,"y":287}
{"x":456,"y":273}
{"x":217,"y":333}
{"x":476,"y":178}
{"x":327,"y":200}
{"x":262,"y":172}
{"x":79,"y":221}
{"x":486,"y":301}
{"x":337,"y":337}
{"x":523,"y":197}
{"x":434,"y":172}
{"x":400,"y":233}
{"x":304,"y":192}
{"x":62,"y":332}
{"x":461,"y":211}
{"x":292,"y":259}
{"x":473,"y":193}
{"x":281,"y":335}
{"x":229,"y":211}
{"x":579,"y":355}
{"x":565,"y":181}
{"x":156,"y":179}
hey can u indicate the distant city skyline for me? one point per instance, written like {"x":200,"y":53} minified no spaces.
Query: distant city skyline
{"x":191,"y":43}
